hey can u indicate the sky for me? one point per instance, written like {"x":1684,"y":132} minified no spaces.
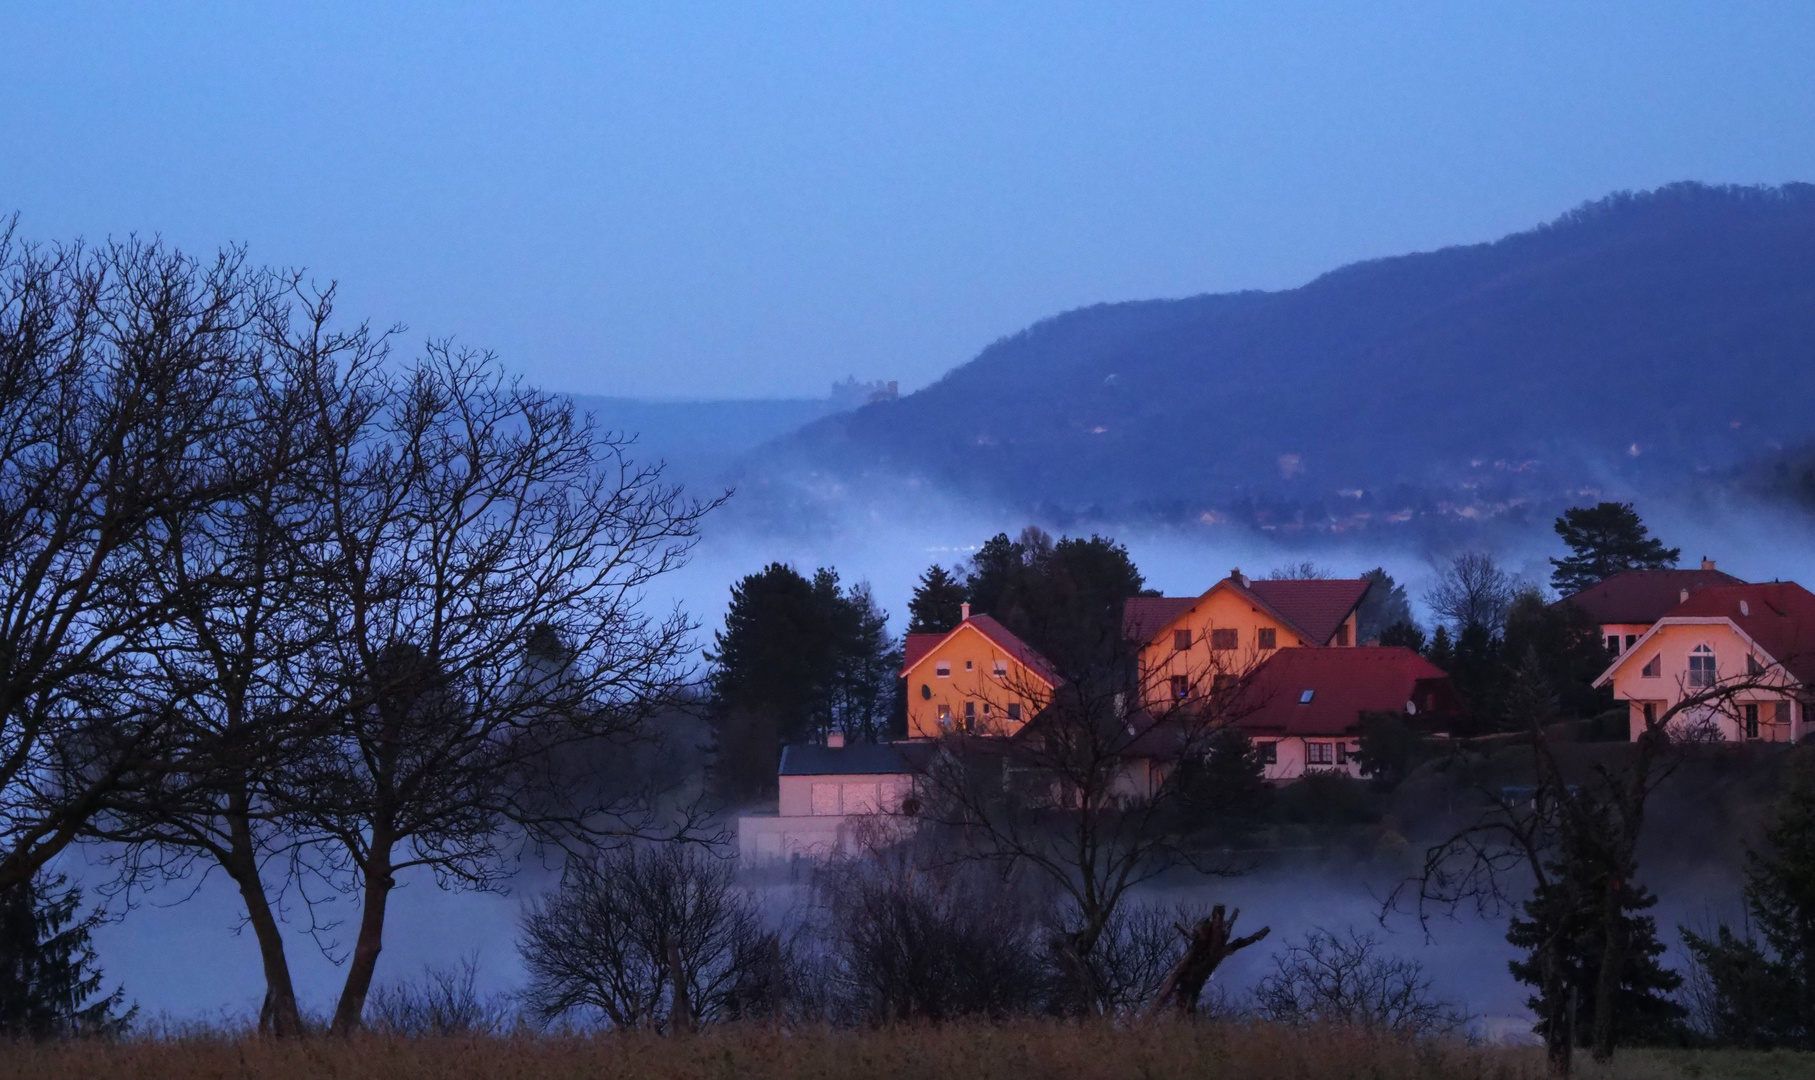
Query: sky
{"x":689,"y":201}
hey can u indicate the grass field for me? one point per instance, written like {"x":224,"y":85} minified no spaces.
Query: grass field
{"x":1043,"y":1050}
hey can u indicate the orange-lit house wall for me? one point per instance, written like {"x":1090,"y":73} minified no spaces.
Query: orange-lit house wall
{"x":1221,"y":609}
{"x":977,"y":685}
{"x":1671,"y":645}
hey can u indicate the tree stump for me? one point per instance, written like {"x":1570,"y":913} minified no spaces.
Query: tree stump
{"x":1208,"y":944}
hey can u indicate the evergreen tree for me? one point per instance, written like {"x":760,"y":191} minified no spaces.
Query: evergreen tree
{"x":47,"y":966}
{"x":1566,"y":644}
{"x":1223,"y":793}
{"x":1442,"y":651}
{"x":1062,"y":597}
{"x":1383,"y":606}
{"x":1762,"y":988}
{"x":1409,"y":635}
{"x":1603,"y":540}
{"x":796,"y":658}
{"x":1480,"y":676}
{"x":1565,"y":922}
{"x":937,"y":603}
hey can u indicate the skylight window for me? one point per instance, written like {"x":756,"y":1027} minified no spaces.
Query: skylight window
{"x":1305,"y":698}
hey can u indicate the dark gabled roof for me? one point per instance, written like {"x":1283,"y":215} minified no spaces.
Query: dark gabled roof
{"x":1779,"y":616}
{"x":1344,"y":683}
{"x":1314,"y":609}
{"x":857,"y":759}
{"x":919,"y":645}
{"x":1643,"y":596}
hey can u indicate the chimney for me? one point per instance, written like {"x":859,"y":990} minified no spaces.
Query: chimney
{"x":1682,"y":596}
{"x":1235,"y":574}
{"x":1707,"y":563}
{"x":835,"y":740}
{"x":964,"y":611}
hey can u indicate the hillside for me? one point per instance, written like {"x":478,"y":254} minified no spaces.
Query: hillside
{"x":1629,"y":343}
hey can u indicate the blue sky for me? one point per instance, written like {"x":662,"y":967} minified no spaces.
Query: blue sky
{"x":692,"y":200}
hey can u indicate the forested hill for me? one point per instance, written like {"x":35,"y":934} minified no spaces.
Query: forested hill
{"x":1637,"y":339}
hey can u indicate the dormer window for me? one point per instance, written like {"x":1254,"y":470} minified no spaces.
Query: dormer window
{"x":1701,"y":668}
{"x":943,"y":669}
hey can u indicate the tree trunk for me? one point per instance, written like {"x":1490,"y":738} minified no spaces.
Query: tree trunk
{"x":1208,"y":945}
{"x":349,"y":1012}
{"x":1613,"y":963}
{"x":680,"y":1010}
{"x":279,"y":1015}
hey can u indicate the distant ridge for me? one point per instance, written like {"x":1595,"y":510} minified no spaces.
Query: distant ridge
{"x":1633,"y":340}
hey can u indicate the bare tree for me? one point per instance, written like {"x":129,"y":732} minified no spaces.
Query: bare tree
{"x":656,"y":937}
{"x":481,"y":581}
{"x":1473,"y":591}
{"x":1332,"y":978}
{"x":120,"y":371}
{"x":238,"y":657}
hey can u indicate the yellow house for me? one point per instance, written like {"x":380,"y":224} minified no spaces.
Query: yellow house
{"x":1749,"y":649}
{"x":1187,"y":644}
{"x":979,"y":679}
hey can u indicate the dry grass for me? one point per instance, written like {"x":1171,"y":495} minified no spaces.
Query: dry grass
{"x":1042,"y":1050}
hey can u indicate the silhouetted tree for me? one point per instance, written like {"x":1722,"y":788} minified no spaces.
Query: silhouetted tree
{"x":1064,"y":598}
{"x":1567,"y":648}
{"x":1603,"y":540}
{"x":1383,"y":607}
{"x":1472,"y":590}
{"x":937,"y":603}
{"x":1409,"y":635}
{"x":1759,"y":984}
{"x":48,"y":976}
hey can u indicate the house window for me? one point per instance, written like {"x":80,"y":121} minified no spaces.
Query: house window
{"x":1342,"y":753}
{"x":1780,"y":713}
{"x":1342,"y":634}
{"x":1222,"y":684}
{"x":1701,"y":668}
{"x":945,"y":716}
{"x":1650,"y":711}
{"x":1613,"y":644}
{"x":1631,"y":640}
{"x":969,"y":666}
{"x":1320,"y":753}
{"x":1181,"y":640}
{"x":943,"y":669}
{"x":1014,"y":711}
{"x":1751,"y":714}
{"x":1000,"y":669}
{"x":825,"y":800}
{"x":1181,"y":687}
{"x":970,"y":711}
{"x":1267,"y":752}
{"x":1267,"y":638}
{"x":1223,"y":640}
{"x":1753,"y":667}
{"x":1653,"y":667}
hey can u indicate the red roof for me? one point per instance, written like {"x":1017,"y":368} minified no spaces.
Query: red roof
{"x":1343,"y":684}
{"x":1643,"y":596}
{"x":1314,"y":609}
{"x":919,"y":645}
{"x":1780,"y":616}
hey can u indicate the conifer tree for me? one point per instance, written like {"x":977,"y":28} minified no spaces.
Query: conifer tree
{"x":1603,"y":540}
{"x":48,"y":976}
{"x":937,"y":605}
{"x":1564,"y":925}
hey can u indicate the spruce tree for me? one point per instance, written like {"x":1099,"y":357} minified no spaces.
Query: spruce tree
{"x":1565,"y":922}
{"x":938,"y":601}
{"x":1603,"y":540}
{"x":47,"y":966}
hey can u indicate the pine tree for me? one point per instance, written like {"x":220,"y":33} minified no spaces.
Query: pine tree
{"x":1605,"y":539}
{"x":1565,"y":922}
{"x":47,"y":966}
{"x":1383,"y":606}
{"x":1442,"y":651}
{"x":938,"y":601}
